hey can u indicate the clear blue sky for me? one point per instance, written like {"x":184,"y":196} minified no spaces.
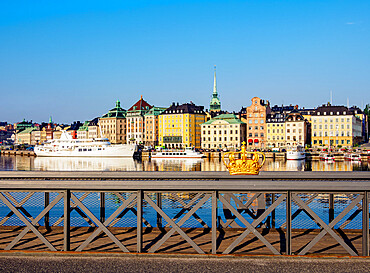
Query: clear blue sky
{"x":73,"y":59}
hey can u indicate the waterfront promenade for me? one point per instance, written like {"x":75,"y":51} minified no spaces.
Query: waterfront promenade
{"x":316,"y":213}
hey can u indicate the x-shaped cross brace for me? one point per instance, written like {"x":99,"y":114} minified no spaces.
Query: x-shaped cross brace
{"x":252,"y":227}
{"x":186,"y":207}
{"x":241,"y":207}
{"x":18,"y":205}
{"x":30,"y":225}
{"x":176,"y":226}
{"x":326,"y":228}
{"x":102,"y":227}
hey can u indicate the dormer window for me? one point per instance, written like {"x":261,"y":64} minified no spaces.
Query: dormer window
{"x":331,"y":113}
{"x":344,"y":113}
{"x":338,"y":113}
{"x":324,"y":113}
{"x":318,"y":113}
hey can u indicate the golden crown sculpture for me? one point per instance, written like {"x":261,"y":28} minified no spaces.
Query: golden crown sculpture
{"x":244,"y":165}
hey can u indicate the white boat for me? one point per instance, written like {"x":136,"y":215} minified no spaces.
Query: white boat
{"x":98,"y":147}
{"x":352,"y":157}
{"x":326,"y":157}
{"x":295,"y":153}
{"x":188,"y":152}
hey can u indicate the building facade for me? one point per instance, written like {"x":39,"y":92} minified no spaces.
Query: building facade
{"x":179,"y":126}
{"x":225,"y":131}
{"x":136,"y":122}
{"x":295,"y":129}
{"x":113,"y":125}
{"x":275,"y":135}
{"x":335,"y":126}
{"x":255,"y":117}
{"x":151,"y":126}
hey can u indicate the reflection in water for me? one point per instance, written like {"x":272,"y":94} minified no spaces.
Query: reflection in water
{"x":85,"y":164}
{"x":24,"y":163}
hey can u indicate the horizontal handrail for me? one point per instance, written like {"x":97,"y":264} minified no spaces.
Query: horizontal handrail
{"x":187,"y":181}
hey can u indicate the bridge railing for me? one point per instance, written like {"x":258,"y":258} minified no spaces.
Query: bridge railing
{"x":253,"y":208}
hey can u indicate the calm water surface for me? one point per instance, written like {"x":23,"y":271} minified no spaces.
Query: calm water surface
{"x":22,"y":163}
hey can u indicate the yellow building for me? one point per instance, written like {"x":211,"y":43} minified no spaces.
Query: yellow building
{"x":275,"y":135}
{"x":179,"y":126}
{"x":334,"y":126}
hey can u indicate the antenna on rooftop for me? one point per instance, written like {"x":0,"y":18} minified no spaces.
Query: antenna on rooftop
{"x":348,"y":103}
{"x":331,"y":97}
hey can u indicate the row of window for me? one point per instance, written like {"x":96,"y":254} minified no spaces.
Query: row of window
{"x":330,"y":120}
{"x":220,"y":139}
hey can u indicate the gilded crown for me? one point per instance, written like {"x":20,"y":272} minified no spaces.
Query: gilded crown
{"x":244,"y":164}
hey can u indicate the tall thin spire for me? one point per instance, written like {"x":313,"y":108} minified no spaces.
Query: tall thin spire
{"x":215,"y":104}
{"x":214,"y":83}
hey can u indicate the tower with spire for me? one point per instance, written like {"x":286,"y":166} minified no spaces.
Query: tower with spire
{"x":215,"y":105}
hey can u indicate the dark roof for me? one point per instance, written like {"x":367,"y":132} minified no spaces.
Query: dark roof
{"x":186,"y":108}
{"x":332,"y":110}
{"x":140,"y":105}
{"x":276,"y":117}
{"x":94,"y":122}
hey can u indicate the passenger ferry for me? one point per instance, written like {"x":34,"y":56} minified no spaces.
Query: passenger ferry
{"x":295,"y":153}
{"x":98,"y":147}
{"x":188,"y":152}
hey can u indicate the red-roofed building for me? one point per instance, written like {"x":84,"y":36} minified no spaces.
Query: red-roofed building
{"x":135,"y":121}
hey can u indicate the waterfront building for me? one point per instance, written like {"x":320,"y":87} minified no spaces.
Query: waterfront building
{"x":36,"y":136}
{"x":335,"y":126}
{"x":20,"y":126}
{"x":223,"y":131}
{"x":113,"y":124}
{"x":275,"y":135}
{"x":72,"y":129}
{"x":58,"y":129}
{"x":82,"y":132}
{"x":255,"y":117}
{"x":135,"y":122}
{"x":179,"y":125}
{"x":364,"y":121}
{"x":93,"y":129}
{"x":295,"y":129}
{"x":215,"y":105}
{"x":24,"y":136}
{"x":151,"y":126}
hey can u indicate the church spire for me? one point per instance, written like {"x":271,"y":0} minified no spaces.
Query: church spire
{"x":214,"y":83}
{"x":215,"y":104}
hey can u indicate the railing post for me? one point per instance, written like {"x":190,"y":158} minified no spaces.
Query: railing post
{"x":139,"y":221}
{"x":102,"y":207}
{"x":67,"y":220}
{"x":331,"y":207}
{"x":46,"y":203}
{"x":159,"y":204}
{"x":273,"y":212}
{"x":365,"y":224}
{"x":214,"y":221}
{"x":288,"y":223}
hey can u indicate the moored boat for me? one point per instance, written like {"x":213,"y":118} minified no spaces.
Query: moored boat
{"x":295,"y":153}
{"x":188,"y":152}
{"x":327,"y":157}
{"x":98,"y":147}
{"x":352,"y":157}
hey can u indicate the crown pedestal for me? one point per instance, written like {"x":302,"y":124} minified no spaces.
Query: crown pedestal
{"x":243,"y":165}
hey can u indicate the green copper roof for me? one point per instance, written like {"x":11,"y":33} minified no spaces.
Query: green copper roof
{"x":27,"y":131}
{"x":116,"y":112}
{"x":84,"y":127}
{"x":229,"y":118}
{"x":155,"y":111}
